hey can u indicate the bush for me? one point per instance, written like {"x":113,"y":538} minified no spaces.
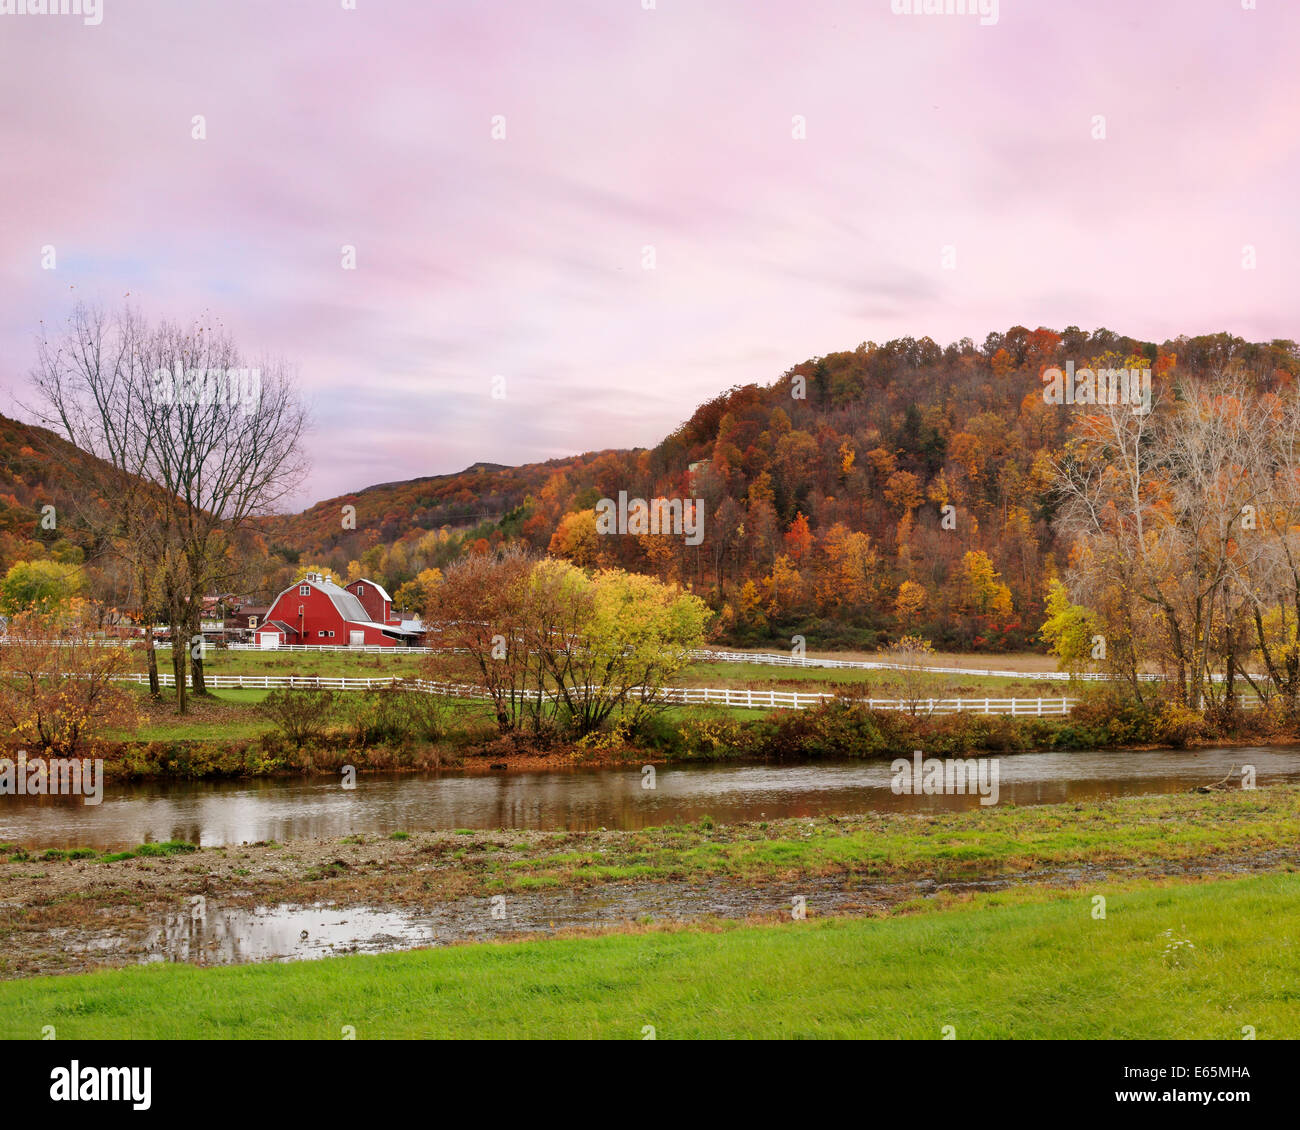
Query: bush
{"x":424,"y":717}
{"x":1176,"y":725}
{"x":706,"y":735}
{"x":301,"y":716}
{"x":1107,"y":714}
{"x":371,"y":717}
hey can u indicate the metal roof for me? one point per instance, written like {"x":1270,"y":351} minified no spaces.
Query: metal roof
{"x":349,"y":607}
{"x":345,"y":603}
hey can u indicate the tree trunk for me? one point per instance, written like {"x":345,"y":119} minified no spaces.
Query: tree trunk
{"x":195,"y":628}
{"x":151,"y":657}
{"x":179,"y":649}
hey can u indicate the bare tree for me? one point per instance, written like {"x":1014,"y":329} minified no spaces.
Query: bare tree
{"x":196,"y":445}
{"x":226,"y":446}
{"x":92,"y":391}
{"x":1154,"y":503}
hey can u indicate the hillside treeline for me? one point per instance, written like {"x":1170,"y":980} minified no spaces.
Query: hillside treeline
{"x":890,"y":489}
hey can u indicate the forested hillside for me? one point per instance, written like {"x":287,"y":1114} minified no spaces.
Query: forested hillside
{"x":889,"y":489}
{"x":892,"y":488}
{"x":34,"y":474}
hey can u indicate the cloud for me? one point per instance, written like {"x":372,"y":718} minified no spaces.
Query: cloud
{"x":628,"y":129}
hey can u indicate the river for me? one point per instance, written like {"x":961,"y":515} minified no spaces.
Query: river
{"x":233,"y":812}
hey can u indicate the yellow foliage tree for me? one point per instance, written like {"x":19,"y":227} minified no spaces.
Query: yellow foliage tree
{"x":910,"y":602}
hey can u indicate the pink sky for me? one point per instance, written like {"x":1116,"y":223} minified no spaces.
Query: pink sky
{"x":625,"y":127}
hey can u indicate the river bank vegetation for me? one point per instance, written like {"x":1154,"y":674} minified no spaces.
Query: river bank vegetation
{"x":236,"y":734}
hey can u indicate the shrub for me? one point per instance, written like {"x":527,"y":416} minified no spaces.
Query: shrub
{"x":424,"y":717}
{"x":371,"y":717}
{"x":1109,"y":715}
{"x":301,"y":716}
{"x":705,"y":735}
{"x":1176,"y":725}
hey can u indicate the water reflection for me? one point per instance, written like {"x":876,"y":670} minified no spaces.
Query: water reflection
{"x":221,"y":936}
{"x":213,"y":813}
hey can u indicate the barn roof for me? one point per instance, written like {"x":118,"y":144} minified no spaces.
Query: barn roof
{"x":346,"y":603}
{"x":349,"y":607}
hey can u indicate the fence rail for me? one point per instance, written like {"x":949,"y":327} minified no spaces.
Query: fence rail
{"x":776,"y":659}
{"x":714,"y":696}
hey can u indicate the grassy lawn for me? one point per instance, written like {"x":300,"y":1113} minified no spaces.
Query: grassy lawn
{"x":1027,"y":661}
{"x":225,"y":715}
{"x":1029,"y":965}
{"x":878,"y":684}
{"x":357,"y":665}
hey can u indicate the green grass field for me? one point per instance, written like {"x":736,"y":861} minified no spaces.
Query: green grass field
{"x":1029,"y":965}
{"x":952,"y":845}
{"x":880,"y":684}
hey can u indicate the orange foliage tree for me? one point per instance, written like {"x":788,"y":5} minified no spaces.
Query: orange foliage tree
{"x":60,"y":689}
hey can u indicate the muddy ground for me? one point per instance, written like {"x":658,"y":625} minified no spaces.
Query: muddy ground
{"x":311,"y":898}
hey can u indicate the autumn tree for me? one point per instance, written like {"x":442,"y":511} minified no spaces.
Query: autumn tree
{"x":612,"y":642}
{"x":910,"y":658}
{"x":910,"y":602}
{"x":479,"y":620}
{"x":59,"y":688}
{"x":39,"y":586}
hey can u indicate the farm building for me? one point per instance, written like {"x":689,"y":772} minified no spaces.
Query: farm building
{"x":315,"y":610}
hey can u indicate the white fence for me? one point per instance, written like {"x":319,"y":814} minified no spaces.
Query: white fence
{"x":770,"y":659}
{"x":776,"y":659}
{"x":713,"y":696}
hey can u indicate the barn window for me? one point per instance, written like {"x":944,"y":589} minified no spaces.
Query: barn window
{"x":361,"y":590}
{"x":304,"y":590}
{"x":252,"y":621}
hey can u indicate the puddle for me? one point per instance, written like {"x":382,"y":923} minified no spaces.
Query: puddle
{"x":233,"y":935}
{"x":226,"y":936}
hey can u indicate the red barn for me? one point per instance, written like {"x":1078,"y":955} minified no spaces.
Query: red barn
{"x":316,"y":611}
{"x":374,"y":599}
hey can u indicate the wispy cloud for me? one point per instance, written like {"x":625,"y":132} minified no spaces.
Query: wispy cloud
{"x":629,"y":129}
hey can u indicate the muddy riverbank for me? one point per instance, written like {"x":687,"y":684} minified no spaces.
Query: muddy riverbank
{"x":254,"y":901}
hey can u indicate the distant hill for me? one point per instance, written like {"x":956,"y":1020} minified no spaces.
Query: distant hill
{"x":36,"y":470}
{"x":483,"y":492}
{"x":823,"y":492}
